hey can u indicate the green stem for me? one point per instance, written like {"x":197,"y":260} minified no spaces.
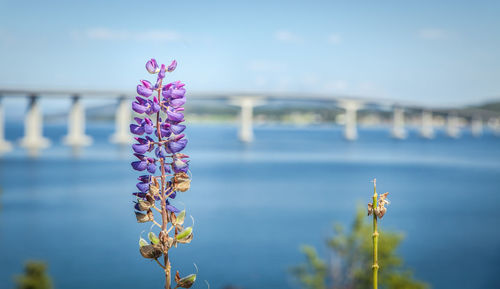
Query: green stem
{"x":375,"y":237}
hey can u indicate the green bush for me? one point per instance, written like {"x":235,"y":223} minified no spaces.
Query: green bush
{"x":352,"y":261}
{"x":34,"y":277}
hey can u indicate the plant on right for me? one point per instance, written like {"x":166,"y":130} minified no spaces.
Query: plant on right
{"x":364,"y":257}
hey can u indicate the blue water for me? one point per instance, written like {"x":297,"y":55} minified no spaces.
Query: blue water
{"x":253,"y":206}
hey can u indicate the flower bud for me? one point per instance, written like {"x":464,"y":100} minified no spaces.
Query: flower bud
{"x":152,"y":66}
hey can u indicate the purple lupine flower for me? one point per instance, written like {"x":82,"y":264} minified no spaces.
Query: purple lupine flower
{"x":143,"y":187}
{"x":177,"y":128}
{"x":177,"y":146}
{"x":144,"y":89}
{"x":140,"y":105}
{"x":136,"y":129}
{"x":161,"y":152}
{"x":139,"y":195}
{"x":140,"y":148}
{"x":172,"y":66}
{"x":173,"y":115}
{"x":152,"y":66}
{"x":172,"y":208}
{"x":139,"y":165}
{"x":180,"y":165}
{"x":144,"y":178}
{"x":151,"y":166}
{"x":178,"y":102}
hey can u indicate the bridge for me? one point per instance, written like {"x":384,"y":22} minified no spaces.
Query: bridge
{"x":34,"y":140}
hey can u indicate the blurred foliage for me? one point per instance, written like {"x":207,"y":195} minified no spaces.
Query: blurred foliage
{"x":35,"y":277}
{"x":352,"y":261}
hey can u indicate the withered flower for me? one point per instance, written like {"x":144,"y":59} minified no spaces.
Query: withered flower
{"x":151,"y":251}
{"x":181,"y":182}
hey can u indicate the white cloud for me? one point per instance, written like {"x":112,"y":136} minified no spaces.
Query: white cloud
{"x":128,"y":35}
{"x":287,"y":36}
{"x":336,"y":86}
{"x":334,"y":38}
{"x":432,"y":33}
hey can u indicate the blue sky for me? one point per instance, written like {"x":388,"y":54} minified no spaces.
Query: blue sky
{"x":433,"y":52}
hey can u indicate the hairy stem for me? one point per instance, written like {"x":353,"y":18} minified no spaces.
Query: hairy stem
{"x":375,"y":238}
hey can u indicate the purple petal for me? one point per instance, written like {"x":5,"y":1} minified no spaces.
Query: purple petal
{"x":139,"y":108}
{"x":144,"y":178}
{"x":135,"y":129}
{"x":144,"y":91}
{"x":139,"y":195}
{"x":152,"y":168}
{"x":180,"y":166}
{"x":173,"y":209}
{"x":177,"y":146}
{"x":178,"y":92}
{"x":160,"y":152}
{"x":140,"y":148}
{"x":148,"y":129}
{"x":139,"y":165}
{"x":178,"y":102}
{"x":177,"y":128}
{"x":175,"y":116}
{"x":172,"y":66}
{"x":161,"y":74}
{"x":143,"y":187}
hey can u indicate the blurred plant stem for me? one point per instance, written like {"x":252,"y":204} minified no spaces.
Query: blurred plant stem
{"x":375,"y":238}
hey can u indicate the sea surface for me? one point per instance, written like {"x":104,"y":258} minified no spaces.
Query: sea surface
{"x":253,"y":205}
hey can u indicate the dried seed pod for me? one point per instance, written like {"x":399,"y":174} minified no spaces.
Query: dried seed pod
{"x":153,"y":238}
{"x":154,"y":189}
{"x":181,"y":182}
{"x":143,"y":205}
{"x":151,"y":251}
{"x":143,"y":218}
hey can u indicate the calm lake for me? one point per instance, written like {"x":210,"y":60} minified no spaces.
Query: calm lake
{"x":253,"y":206}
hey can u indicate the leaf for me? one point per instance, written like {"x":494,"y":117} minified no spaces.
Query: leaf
{"x":187,"y":281}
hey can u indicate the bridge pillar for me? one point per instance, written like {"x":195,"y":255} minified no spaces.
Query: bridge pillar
{"x":350,"y":127}
{"x":5,"y":146}
{"x":76,"y":125}
{"x":123,"y":116}
{"x":246,"y":104}
{"x":33,"y":139}
{"x":452,"y":126}
{"x":427,"y":129}
{"x":476,"y":126}
{"x":398,"y":124}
